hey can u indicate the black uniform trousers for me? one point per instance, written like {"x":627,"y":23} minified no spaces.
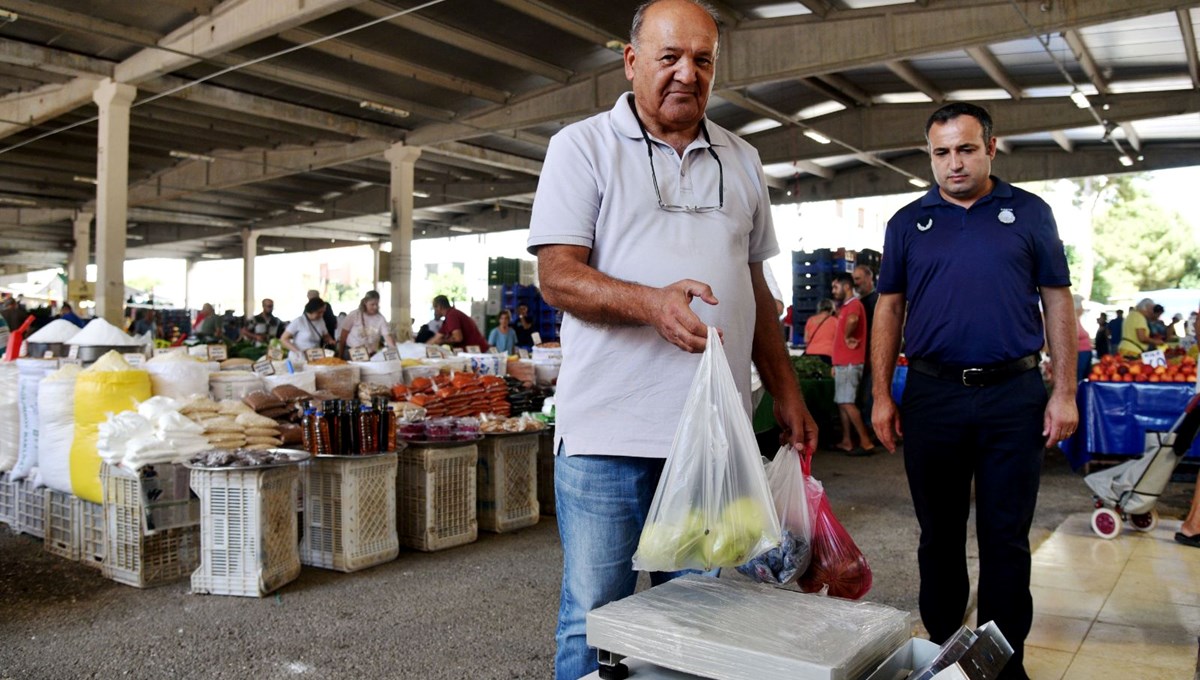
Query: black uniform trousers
{"x":953,"y":434}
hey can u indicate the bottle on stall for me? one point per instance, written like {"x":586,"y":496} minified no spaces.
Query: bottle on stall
{"x":389,"y":420}
{"x":306,"y":425}
{"x":331,"y":425}
{"x":381,"y":422}
{"x":350,"y":416}
{"x":320,"y":434}
{"x":367,"y":430}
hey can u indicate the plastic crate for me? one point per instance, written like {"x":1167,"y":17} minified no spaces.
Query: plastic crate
{"x":62,"y":525}
{"x":435,"y":497}
{"x":507,"y":482}
{"x":8,"y":501}
{"x":132,"y":555}
{"x":248,"y":530}
{"x":545,"y":472}
{"x":350,"y":512}
{"x":31,"y":508}
{"x":91,"y":533}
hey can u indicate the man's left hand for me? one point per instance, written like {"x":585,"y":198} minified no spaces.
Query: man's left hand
{"x":799,"y":428}
{"x":1062,"y":417}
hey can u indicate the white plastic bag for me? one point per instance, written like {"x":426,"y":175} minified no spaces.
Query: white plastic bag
{"x":712,"y":507}
{"x":785,"y":563}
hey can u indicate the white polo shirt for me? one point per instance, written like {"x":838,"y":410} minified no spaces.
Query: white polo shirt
{"x":621,"y":389}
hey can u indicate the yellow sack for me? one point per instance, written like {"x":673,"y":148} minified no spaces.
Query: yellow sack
{"x":97,"y":394}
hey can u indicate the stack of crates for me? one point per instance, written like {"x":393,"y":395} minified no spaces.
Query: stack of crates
{"x":507,"y":480}
{"x":31,"y":508}
{"x":812,"y":281}
{"x":136,"y":552}
{"x":503,"y":271}
{"x":545,"y":318}
{"x":435,"y":497}
{"x":8,"y":501}
{"x":91,"y":533}
{"x":350,"y":512}
{"x":870,"y":258}
{"x":247,"y":529}
{"x":62,"y":525}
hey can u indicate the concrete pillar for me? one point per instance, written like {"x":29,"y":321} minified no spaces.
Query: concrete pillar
{"x":375,"y":265}
{"x":112,"y":197}
{"x":403,"y":160}
{"x":249,"y":252}
{"x":77,"y":265}
{"x":188,"y":265}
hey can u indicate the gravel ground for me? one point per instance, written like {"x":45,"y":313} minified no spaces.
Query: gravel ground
{"x":485,"y":610}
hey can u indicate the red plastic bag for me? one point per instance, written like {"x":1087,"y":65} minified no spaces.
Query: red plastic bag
{"x":837,"y":563}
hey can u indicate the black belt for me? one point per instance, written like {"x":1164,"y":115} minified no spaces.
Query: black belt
{"x":975,"y":376}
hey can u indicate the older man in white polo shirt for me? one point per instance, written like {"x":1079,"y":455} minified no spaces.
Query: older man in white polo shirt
{"x":650,"y":224}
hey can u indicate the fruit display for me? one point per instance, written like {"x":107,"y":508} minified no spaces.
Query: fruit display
{"x":1112,"y":368}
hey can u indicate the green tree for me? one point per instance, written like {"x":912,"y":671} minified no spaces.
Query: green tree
{"x":450,"y":283}
{"x":1141,"y":246}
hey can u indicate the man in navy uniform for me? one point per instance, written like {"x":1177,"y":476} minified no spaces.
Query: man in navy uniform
{"x":967,"y":271}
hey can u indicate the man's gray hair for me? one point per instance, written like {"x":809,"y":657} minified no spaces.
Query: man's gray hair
{"x":1145,"y":305}
{"x":639,"y":16}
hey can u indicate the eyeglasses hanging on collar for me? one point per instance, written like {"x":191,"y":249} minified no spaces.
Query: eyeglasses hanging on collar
{"x":657,"y":192}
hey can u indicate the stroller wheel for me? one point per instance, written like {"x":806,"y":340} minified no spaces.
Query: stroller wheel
{"x":1106,"y":523}
{"x":1144,"y":522}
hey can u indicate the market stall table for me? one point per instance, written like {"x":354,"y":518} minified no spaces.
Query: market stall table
{"x":1115,"y":417}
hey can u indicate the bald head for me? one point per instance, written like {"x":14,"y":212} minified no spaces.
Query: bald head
{"x":639,"y":16}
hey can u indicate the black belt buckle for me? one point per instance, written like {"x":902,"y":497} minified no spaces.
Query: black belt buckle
{"x":969,"y":373}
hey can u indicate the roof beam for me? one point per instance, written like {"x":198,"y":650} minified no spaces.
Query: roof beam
{"x":21,"y":110}
{"x":1131,"y":135}
{"x":466,"y":41}
{"x":820,"y":8}
{"x":55,"y":61}
{"x":843,"y":85}
{"x":995,"y":70}
{"x":748,"y":103}
{"x":814,"y":169}
{"x":1086,"y":62}
{"x":1184,"y":16}
{"x":821,"y":87}
{"x":561,"y":20}
{"x":910,"y":75}
{"x":1061,"y":139}
{"x":489,"y":157}
{"x":48,"y":15}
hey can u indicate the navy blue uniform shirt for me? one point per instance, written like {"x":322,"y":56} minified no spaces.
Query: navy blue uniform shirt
{"x":972,"y":276}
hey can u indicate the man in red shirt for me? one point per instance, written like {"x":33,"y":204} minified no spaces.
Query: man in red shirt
{"x":458,"y":330}
{"x":849,"y":356}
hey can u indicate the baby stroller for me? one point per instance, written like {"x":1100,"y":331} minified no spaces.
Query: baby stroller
{"x":1132,"y":488}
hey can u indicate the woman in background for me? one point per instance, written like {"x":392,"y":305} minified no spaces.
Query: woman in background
{"x":503,"y":337}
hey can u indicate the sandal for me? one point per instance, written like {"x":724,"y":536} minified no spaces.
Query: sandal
{"x":1193,"y":541}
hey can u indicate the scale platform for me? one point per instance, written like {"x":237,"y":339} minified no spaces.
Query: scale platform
{"x":736,"y":630}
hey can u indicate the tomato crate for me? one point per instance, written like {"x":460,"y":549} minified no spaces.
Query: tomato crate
{"x":506,"y":482}
{"x":248,"y":530}
{"x":545,"y":472}
{"x":91,"y":533}
{"x":31,"y":508}
{"x":435,"y":497}
{"x":134,"y":555}
{"x":349,"y":512}
{"x":8,"y":501}
{"x":62,"y":525}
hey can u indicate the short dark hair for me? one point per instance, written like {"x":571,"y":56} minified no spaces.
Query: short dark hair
{"x":313,"y":305}
{"x":639,"y":16}
{"x":843,"y":277}
{"x":955,"y":109}
{"x":1159,"y":309}
{"x":441,"y":301}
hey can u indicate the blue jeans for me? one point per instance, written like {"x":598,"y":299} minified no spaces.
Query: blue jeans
{"x":601,"y":503}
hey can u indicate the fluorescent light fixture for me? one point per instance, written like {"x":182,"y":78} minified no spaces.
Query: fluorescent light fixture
{"x":816,"y":136}
{"x":85,"y":180}
{"x":1125,"y":160}
{"x":7,"y":17}
{"x":616,"y":46}
{"x":918,"y":182}
{"x":274,"y":249}
{"x":383,"y":108}
{"x":309,"y":209}
{"x":421,"y":194}
{"x":461,"y":230}
{"x":191,"y":156}
{"x":365,"y":239}
{"x":330,"y":195}
{"x":11,"y":200}
{"x":210,"y":256}
{"x":135,"y":237}
{"x":1080,"y":99}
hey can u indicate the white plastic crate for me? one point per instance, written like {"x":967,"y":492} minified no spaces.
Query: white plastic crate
{"x":349,"y":512}
{"x":91,"y":533}
{"x":8,"y":501}
{"x":435,"y":497}
{"x":248,"y":530}
{"x":545,"y":472}
{"x":507,"y":482}
{"x":62,"y":525}
{"x":31,"y":509}
{"x":132,"y":555}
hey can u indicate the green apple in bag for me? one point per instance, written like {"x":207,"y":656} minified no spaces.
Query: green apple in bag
{"x":731,"y":542}
{"x":672,"y":545}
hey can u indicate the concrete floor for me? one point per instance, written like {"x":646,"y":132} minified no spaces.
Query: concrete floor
{"x":485,"y":610}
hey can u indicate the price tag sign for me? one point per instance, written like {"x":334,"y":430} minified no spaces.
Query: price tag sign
{"x":198,"y":351}
{"x":73,"y":352}
{"x":391,"y":355}
{"x":434,"y":352}
{"x":275,"y":353}
{"x":1154,"y":358}
{"x":472,"y":349}
{"x":359,"y":354}
{"x":314,"y":353}
{"x":522,"y":353}
{"x":537,"y":337}
{"x":71,"y":360}
{"x":493,"y":350}
{"x":217,"y":353}
{"x":134,"y":359}
{"x":48,"y":354}
{"x":263,"y":367}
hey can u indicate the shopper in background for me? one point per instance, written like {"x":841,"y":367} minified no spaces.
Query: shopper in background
{"x":365,"y":327}
{"x":1084,"y":365}
{"x":1116,"y":330}
{"x":208,"y":325}
{"x":864,"y":285}
{"x":458,"y":330}
{"x":143,"y":322}
{"x":619,"y":236}
{"x":819,"y":331}
{"x":68,"y":314}
{"x":330,"y":319}
{"x":263,"y":326}
{"x":524,"y":327}
{"x":1101,"y":343}
{"x":1135,"y":331}
{"x":503,"y":337}
{"x":849,"y":356}
{"x":306,"y":331}
{"x":964,"y":269}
